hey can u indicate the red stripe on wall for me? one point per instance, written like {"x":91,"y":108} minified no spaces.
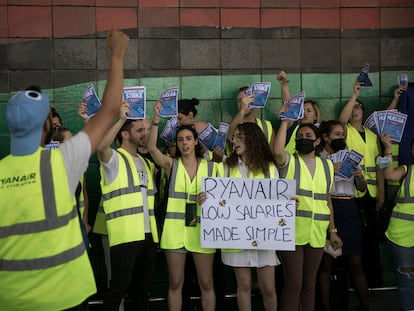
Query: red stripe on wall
{"x":200,"y":17}
{"x":273,"y":18}
{"x":30,"y":21}
{"x":158,"y":17}
{"x":397,"y":18}
{"x":320,"y":18}
{"x":360,"y":18}
{"x":119,"y":18}
{"x":70,"y":21}
{"x":240,"y":18}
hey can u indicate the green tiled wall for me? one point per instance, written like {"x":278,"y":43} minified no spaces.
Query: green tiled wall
{"x":217,"y":95}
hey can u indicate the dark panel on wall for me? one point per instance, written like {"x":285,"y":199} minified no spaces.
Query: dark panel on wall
{"x":159,"y":54}
{"x":282,"y":32}
{"x":319,"y":33}
{"x":200,"y":32}
{"x":30,"y":55}
{"x":360,"y":33}
{"x":281,"y":53}
{"x":159,"y":32}
{"x":229,"y":32}
{"x":75,"y":54}
{"x":21,"y":79}
{"x":240,"y":53}
{"x":320,"y":55}
{"x":103,"y":55}
{"x":200,"y":54}
{"x":397,"y":33}
{"x":3,"y":56}
{"x":356,"y":52}
{"x":69,"y":77}
{"x":4,"y":81}
{"x":397,"y":52}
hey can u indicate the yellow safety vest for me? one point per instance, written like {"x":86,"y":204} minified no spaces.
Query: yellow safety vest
{"x":312,"y":214}
{"x":395,"y":148}
{"x":43,"y":261}
{"x":369,"y":149}
{"x":123,"y":205}
{"x":99,"y":227}
{"x":266,"y":128}
{"x":82,"y":197}
{"x":291,"y":145}
{"x":182,"y":190}
{"x":401,"y":228}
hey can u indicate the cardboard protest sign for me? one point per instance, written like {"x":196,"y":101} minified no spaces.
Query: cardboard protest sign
{"x":248,"y":213}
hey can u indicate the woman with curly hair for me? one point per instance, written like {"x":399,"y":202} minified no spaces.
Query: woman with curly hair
{"x":251,"y":158}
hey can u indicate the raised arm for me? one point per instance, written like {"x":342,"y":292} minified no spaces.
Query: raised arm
{"x":161,"y":159}
{"x":104,"y":148}
{"x":396,"y":97}
{"x":278,"y":147}
{"x":390,"y":173}
{"x":239,"y":117}
{"x":284,"y":86}
{"x":100,"y":123}
{"x":346,"y":112}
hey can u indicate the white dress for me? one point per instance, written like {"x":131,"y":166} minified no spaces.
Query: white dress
{"x":250,"y":257}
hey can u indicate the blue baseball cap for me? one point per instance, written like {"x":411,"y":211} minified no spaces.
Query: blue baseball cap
{"x":25,"y":115}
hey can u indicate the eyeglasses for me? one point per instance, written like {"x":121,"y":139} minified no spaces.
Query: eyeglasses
{"x":357,"y":106}
{"x":238,"y":136}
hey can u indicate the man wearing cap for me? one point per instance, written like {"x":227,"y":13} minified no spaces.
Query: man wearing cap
{"x":43,"y":262}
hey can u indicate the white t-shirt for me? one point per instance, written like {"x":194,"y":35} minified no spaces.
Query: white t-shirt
{"x":76,"y":152}
{"x":111,"y":171}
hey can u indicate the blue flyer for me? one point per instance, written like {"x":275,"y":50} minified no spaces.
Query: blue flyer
{"x":261,"y":91}
{"x":91,"y":99}
{"x":349,"y":164}
{"x":221,"y":135}
{"x":294,"y":107}
{"x":170,"y":130}
{"x":135,"y":96}
{"x":169,"y":102}
{"x":363,"y":77}
{"x":207,"y":136}
{"x":394,"y":124}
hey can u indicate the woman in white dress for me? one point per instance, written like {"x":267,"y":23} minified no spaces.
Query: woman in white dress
{"x":252,"y":158}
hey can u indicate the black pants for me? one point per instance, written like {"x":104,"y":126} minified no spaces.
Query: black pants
{"x":371,"y":258}
{"x":131,"y":268}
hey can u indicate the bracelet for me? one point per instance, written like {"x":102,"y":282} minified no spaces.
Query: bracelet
{"x":155,"y":123}
{"x":388,"y":153}
{"x":334,"y":230}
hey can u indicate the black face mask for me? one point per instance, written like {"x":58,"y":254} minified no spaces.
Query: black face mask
{"x":304,"y":146}
{"x":338,"y":144}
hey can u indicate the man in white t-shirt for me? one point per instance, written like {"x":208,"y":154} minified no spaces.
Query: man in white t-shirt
{"x":41,"y":247}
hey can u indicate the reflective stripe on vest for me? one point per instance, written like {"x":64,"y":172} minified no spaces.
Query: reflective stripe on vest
{"x":307,"y":193}
{"x":130,"y":189}
{"x":173,"y":179}
{"x":407,"y":198}
{"x":177,"y":215}
{"x":265,"y":129}
{"x":51,"y":222}
{"x":369,"y":149}
{"x":400,"y":230}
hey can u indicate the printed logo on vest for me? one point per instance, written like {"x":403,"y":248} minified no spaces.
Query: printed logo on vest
{"x":17,"y":181}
